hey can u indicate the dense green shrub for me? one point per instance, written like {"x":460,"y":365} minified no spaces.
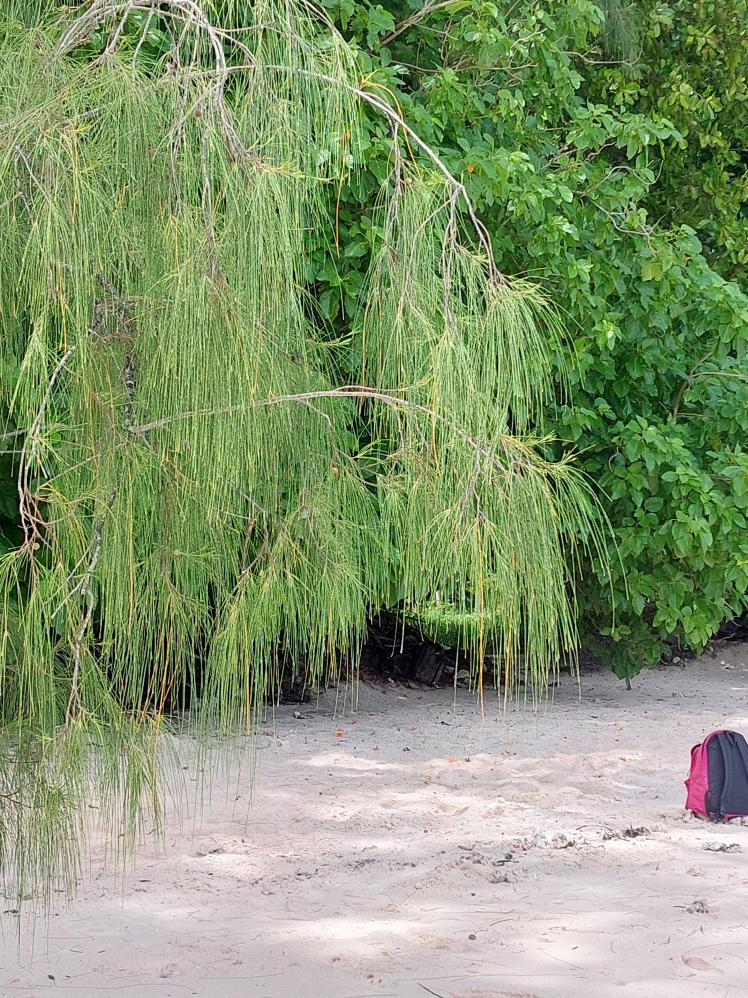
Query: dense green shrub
{"x":694,"y":70}
{"x":601,"y":174}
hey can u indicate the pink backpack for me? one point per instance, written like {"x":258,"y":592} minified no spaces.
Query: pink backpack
{"x":717,"y":784}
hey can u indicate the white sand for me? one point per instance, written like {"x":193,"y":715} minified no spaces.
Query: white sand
{"x":421,"y":851}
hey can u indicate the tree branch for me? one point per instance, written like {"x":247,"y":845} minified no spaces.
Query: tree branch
{"x":425,"y":11}
{"x":508,"y":442}
{"x":189,"y":10}
{"x":688,"y":380}
{"x":482,"y":232}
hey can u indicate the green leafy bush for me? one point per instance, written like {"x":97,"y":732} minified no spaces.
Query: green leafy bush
{"x":601,"y":174}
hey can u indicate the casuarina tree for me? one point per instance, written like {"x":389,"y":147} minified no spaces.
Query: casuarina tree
{"x":199,"y":498}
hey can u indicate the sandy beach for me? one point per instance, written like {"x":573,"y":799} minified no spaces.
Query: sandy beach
{"x":408,"y":848}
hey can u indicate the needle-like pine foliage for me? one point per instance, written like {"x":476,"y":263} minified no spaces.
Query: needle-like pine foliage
{"x":194,"y":508}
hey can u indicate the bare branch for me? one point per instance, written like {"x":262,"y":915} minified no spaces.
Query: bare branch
{"x":13,"y":798}
{"x":101,"y":11}
{"x":116,"y":35}
{"x":189,"y":10}
{"x":507,"y":442}
{"x":482,"y":232}
{"x":425,"y":11}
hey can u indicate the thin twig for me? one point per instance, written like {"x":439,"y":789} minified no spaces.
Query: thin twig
{"x":11,"y":798}
{"x":688,"y":379}
{"x":434,"y":993}
{"x":425,"y":11}
{"x":10,"y":434}
{"x":116,"y":35}
{"x":25,"y":160}
{"x":504,"y":441}
{"x":482,"y":232}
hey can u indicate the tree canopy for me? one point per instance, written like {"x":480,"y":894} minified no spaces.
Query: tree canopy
{"x":205,"y":486}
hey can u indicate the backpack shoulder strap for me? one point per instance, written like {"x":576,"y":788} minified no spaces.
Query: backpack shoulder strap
{"x":724,"y":741}
{"x":742,"y":746}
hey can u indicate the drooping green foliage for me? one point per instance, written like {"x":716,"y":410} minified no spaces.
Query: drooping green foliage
{"x":616,"y":173}
{"x":207,"y":486}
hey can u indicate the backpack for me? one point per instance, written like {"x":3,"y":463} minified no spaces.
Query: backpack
{"x":718,"y":781}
